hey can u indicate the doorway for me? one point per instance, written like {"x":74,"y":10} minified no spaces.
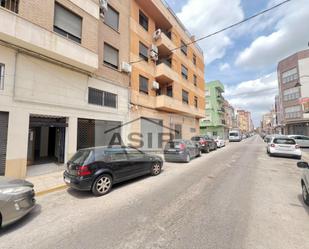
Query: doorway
{"x":46,"y":141}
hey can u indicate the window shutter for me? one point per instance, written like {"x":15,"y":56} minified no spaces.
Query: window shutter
{"x":68,"y":21}
{"x":110,"y":55}
{"x":112,"y":18}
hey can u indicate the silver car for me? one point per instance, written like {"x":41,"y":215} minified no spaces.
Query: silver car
{"x":16,"y":199}
{"x":301,"y":140}
{"x":305,"y":181}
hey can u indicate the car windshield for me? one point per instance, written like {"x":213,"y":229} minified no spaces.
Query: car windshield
{"x":284,"y":141}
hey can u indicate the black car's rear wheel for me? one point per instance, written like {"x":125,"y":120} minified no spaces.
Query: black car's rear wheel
{"x":156,"y":169}
{"x":102,"y":185}
{"x":305,"y":194}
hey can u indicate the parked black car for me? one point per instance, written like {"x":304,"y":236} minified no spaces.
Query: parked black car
{"x":17,"y":199}
{"x":207,"y":143}
{"x":181,"y":150}
{"x":97,"y":169}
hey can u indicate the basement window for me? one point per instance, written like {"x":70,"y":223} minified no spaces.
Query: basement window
{"x":67,"y":23}
{"x":2,"y":76}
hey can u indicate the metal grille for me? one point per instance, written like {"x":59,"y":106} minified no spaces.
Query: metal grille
{"x":92,"y":133}
{"x":11,"y":5}
{"x":3,"y":140}
{"x":102,"y":98}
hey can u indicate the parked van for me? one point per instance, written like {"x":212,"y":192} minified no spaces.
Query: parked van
{"x":235,"y":136}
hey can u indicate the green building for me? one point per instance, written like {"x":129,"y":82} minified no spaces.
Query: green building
{"x":214,"y":124}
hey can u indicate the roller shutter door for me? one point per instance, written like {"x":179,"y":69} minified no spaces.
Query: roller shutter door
{"x":4,"y":117}
{"x":92,"y":133}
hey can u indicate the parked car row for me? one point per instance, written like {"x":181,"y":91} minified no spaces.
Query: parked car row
{"x":97,"y":169}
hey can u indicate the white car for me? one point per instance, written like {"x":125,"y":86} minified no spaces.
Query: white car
{"x":301,"y":140}
{"x":283,"y":146}
{"x":220,"y":142}
{"x":305,"y":181}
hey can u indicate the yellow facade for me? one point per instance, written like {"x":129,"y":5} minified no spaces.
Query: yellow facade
{"x":156,"y":104}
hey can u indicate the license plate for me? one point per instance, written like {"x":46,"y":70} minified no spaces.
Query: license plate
{"x":67,"y":180}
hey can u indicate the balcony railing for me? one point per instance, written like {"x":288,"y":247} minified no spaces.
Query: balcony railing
{"x":11,"y":5}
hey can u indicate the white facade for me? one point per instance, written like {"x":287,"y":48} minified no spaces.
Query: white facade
{"x":33,"y":86}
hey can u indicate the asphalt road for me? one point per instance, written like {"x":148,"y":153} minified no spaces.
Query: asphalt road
{"x":235,"y":197}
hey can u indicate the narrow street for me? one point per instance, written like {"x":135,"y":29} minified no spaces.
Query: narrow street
{"x":235,"y":197}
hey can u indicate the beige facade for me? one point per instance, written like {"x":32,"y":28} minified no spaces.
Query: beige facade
{"x":174,"y":100}
{"x":48,"y":76}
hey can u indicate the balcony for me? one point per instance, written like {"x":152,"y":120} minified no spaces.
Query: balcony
{"x":165,"y":103}
{"x":22,"y":33}
{"x":165,"y":74}
{"x":164,"y":44}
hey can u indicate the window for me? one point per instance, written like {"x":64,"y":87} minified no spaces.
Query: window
{"x":143,"y":84}
{"x":169,"y":91}
{"x":184,"y":47}
{"x":143,"y":20}
{"x":67,"y":23}
{"x":194,"y":59}
{"x":2,"y":76}
{"x":102,"y":98}
{"x":143,"y":51}
{"x":11,"y":5}
{"x":291,"y":94}
{"x":185,"y":97}
{"x":116,"y":155}
{"x":111,"y":18}
{"x":110,"y":56}
{"x":134,"y":154}
{"x":293,"y":112}
{"x":184,"y":72}
{"x":195,"y":102}
{"x":289,"y":76}
{"x":194,"y":79}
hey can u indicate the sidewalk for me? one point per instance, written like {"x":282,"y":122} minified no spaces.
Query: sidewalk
{"x":47,"y":183}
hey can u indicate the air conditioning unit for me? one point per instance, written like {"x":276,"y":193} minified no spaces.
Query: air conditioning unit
{"x":126,"y":67}
{"x":157,"y":34}
{"x":103,"y":7}
{"x":154,"y":52}
{"x":155,"y":85}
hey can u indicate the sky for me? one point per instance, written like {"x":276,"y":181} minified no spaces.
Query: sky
{"x":245,"y":58}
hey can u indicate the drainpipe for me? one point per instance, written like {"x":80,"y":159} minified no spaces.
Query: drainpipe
{"x":15,"y":73}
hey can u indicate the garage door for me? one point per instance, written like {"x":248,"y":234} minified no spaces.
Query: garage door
{"x":151,"y":130}
{"x":93,"y":133}
{"x":4,"y":117}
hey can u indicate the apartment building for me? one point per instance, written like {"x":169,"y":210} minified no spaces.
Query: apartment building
{"x":293,"y":78}
{"x":167,"y":82}
{"x":244,"y":121}
{"x":268,"y":123}
{"x":215,"y":123}
{"x":62,"y":85}
{"x":229,"y":115}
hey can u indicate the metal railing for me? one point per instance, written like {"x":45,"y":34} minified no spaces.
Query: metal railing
{"x":11,"y":5}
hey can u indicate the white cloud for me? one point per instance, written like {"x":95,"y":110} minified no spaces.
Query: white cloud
{"x":257,"y":95}
{"x":224,"y":66}
{"x":290,"y":35}
{"x":204,"y":17}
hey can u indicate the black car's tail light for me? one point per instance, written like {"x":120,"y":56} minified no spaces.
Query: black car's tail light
{"x":83,"y":171}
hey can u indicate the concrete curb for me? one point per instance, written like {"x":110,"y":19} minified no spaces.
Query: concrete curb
{"x":51,"y":190}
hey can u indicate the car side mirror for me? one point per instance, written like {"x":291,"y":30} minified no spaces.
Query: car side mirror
{"x":303,"y":165}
